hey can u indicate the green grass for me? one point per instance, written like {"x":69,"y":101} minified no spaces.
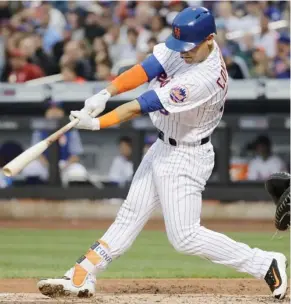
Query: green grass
{"x":48,"y":253}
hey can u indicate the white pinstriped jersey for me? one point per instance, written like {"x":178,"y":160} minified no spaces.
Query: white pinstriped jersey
{"x":174,"y":177}
{"x":193,"y":95}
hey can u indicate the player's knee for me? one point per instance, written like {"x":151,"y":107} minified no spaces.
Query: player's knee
{"x":184,"y":240}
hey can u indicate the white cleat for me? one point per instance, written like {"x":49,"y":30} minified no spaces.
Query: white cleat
{"x":64,"y":287}
{"x":276,"y":276}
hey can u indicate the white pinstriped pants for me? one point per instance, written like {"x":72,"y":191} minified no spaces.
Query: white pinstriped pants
{"x":175,"y":178}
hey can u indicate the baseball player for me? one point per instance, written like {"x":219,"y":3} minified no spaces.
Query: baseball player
{"x":185,"y":101}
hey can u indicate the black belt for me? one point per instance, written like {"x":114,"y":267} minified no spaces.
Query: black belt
{"x":173,"y":141}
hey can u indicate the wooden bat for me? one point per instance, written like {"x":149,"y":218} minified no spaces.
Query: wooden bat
{"x":22,"y":160}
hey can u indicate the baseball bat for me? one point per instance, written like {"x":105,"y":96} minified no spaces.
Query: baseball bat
{"x":22,"y":160}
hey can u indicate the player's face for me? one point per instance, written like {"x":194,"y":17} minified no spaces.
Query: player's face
{"x":199,"y":53}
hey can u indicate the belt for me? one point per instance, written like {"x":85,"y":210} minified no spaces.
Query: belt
{"x":173,"y":141}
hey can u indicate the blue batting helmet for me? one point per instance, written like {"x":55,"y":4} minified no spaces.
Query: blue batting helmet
{"x":189,"y":28}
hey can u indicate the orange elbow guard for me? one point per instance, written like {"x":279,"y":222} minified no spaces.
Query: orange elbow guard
{"x":130,"y":79}
{"x":109,"y":119}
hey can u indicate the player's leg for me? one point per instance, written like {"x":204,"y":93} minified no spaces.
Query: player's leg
{"x":131,"y":218}
{"x":180,"y":188}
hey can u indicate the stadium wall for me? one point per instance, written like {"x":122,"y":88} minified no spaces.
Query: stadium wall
{"x":107,"y":209}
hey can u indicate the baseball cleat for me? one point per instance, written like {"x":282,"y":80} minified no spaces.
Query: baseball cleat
{"x":64,"y":287}
{"x":276,"y":276}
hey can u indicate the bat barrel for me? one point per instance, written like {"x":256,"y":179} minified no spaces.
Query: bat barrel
{"x":22,"y":160}
{"x":7,"y":171}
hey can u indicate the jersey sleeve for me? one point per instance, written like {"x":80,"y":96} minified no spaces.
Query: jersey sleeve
{"x":184,"y":93}
{"x":164,"y":56}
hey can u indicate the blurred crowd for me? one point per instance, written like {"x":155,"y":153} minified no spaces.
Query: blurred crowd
{"x":97,"y":40}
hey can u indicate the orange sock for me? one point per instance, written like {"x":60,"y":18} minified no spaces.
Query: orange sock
{"x":97,"y":257}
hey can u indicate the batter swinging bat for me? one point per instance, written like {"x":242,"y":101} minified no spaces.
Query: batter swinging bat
{"x":22,"y":160}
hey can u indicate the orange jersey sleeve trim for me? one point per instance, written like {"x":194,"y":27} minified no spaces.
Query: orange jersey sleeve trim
{"x":130,"y":79}
{"x":109,"y":119}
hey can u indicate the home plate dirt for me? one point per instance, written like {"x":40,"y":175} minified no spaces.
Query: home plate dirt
{"x":139,"y":298}
{"x":150,"y":291}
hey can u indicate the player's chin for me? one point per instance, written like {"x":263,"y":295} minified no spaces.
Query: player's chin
{"x":187,"y":59}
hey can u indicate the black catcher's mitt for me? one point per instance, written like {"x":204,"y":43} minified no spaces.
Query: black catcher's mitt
{"x":278,"y":186}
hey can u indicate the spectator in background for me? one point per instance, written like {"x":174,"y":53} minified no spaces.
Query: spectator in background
{"x":247,"y":49}
{"x":260,"y":66}
{"x":233,"y":69}
{"x":5,"y":10}
{"x":268,"y":38}
{"x":2,"y":50}
{"x":92,"y":27}
{"x":225,"y":15}
{"x":129,"y":50}
{"x":76,"y":51}
{"x":31,"y":46}
{"x":48,"y":28}
{"x":151,"y":44}
{"x":281,"y":63}
{"x":264,"y":163}
{"x":224,"y":44}
{"x":56,"y":20}
{"x":70,"y":149}
{"x":100,"y":52}
{"x":70,"y":74}
{"x":128,"y":28}
{"x":159,"y":28}
{"x":252,"y":17}
{"x":115,"y":47}
{"x":178,"y":6}
{"x":21,"y":70}
{"x":58,"y":48}
{"x":121,"y":170}
{"x":103,"y":71}
{"x":75,"y":25}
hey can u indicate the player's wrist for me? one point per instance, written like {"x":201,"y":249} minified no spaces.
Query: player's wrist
{"x":95,"y":124}
{"x":106,"y":93}
{"x":112,"y":90}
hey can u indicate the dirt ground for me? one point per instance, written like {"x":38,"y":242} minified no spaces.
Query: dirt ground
{"x":147,"y":291}
{"x":162,"y":291}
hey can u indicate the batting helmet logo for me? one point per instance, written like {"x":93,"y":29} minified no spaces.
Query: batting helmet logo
{"x":177,"y":33}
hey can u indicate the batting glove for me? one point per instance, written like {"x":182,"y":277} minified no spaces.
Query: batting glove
{"x":97,"y":103}
{"x":86,"y":121}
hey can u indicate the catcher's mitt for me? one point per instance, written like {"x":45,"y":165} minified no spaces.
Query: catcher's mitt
{"x":278,"y":186}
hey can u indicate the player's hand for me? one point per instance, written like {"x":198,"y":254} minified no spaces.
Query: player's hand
{"x":97,"y":103}
{"x":86,"y":121}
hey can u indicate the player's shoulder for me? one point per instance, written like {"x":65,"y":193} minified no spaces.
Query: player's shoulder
{"x":210,"y":69}
{"x":161,"y":51}
{"x":161,"y":47}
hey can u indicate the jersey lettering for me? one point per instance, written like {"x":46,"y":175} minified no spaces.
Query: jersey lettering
{"x":221,"y":81}
{"x":163,"y":79}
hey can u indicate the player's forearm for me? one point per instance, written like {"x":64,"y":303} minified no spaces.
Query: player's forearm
{"x":136,"y":76}
{"x":121,"y":114}
{"x":128,"y":80}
